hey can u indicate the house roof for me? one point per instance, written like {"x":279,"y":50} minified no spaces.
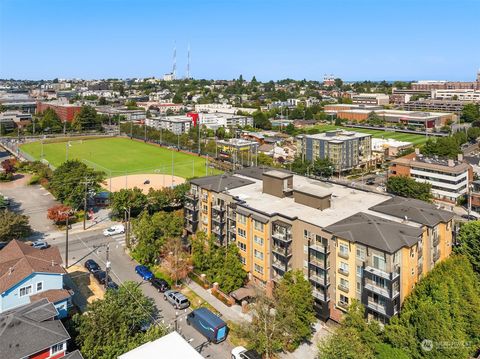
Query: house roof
{"x":29,"y":329}
{"x":19,"y":260}
{"x":73,"y":355}
{"x":413,"y":209}
{"x":53,"y":295}
{"x":376,"y":232}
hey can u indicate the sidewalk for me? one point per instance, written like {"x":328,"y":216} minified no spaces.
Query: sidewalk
{"x":233,"y":313}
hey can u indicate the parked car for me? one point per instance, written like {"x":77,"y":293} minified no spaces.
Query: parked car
{"x":469,"y":217}
{"x":159,"y":284}
{"x":112,"y":285}
{"x":92,"y":266}
{"x":242,"y":353}
{"x":144,"y":272}
{"x":177,"y":299}
{"x":40,"y":244}
{"x":113,"y":230}
{"x":100,"y":276}
{"x":370,"y":181}
{"x":208,"y":324}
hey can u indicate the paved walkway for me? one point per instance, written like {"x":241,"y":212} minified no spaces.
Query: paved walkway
{"x":233,"y":313}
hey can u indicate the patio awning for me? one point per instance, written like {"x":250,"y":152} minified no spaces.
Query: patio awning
{"x":242,"y":293}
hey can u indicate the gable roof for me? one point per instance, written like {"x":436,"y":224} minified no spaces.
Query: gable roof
{"x":414,"y":209}
{"x":19,"y":260}
{"x":29,"y":329}
{"x":376,"y":232}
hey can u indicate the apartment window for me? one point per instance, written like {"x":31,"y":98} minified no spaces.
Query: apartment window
{"x":258,"y":254}
{"x":361,"y":254}
{"x":242,"y":246}
{"x":258,"y":240}
{"x":241,"y":218}
{"x":344,"y":249}
{"x":344,"y":267}
{"x":343,"y":299}
{"x":241,"y":233}
{"x":359,"y":287}
{"x":57,"y":348}
{"x":39,"y":286}
{"x":258,"y":269}
{"x":359,"y":271}
{"x":25,"y":291}
{"x":258,"y":226}
{"x":412,"y":253}
{"x":379,"y":263}
{"x":344,"y":282}
{"x":308,"y":234}
{"x":243,"y":260}
{"x":413,"y":272}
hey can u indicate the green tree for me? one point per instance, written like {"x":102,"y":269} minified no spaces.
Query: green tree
{"x":470,"y":112}
{"x":86,"y":119}
{"x":132,"y":198}
{"x":260,"y":120}
{"x":323,"y":167}
{"x":68,"y":182}
{"x":295,"y":308}
{"x":473,"y":133}
{"x":264,"y":160}
{"x":177,"y":98}
{"x":49,"y":121}
{"x":199,"y":253}
{"x":300,"y":166}
{"x":344,"y":344}
{"x":338,"y":82}
{"x":469,"y":239}
{"x":232,"y":276}
{"x":106,"y":332}
{"x":102,"y":101}
{"x":290,"y":129}
{"x":407,"y":187}
{"x":13,"y":226}
{"x":374,"y":119}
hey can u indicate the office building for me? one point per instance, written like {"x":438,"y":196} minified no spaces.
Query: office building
{"x":375,"y":99}
{"x":123,"y":112}
{"x":350,"y":244}
{"x":176,"y":124}
{"x":64,"y":110}
{"x":17,"y":101}
{"x":451,"y":106}
{"x":347,"y":150}
{"x":457,"y":95}
{"x":216,"y":120}
{"x":417,"y":119}
{"x":449,"y":178}
{"x":10,"y":120}
{"x":335,"y":108}
{"x":237,"y":151}
{"x":389,"y":148}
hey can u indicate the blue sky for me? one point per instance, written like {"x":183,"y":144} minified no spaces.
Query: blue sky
{"x":353,"y":39}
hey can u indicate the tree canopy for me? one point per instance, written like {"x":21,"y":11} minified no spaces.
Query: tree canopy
{"x":470,"y":112}
{"x":13,"y":226}
{"x":113,"y":326}
{"x":469,"y":243}
{"x":407,"y":187}
{"x":86,"y":119}
{"x":132,"y":198}
{"x":68,"y":182}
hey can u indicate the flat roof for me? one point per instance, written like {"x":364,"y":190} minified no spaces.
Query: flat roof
{"x":338,"y":136}
{"x":169,"y":346}
{"x":221,"y":182}
{"x":437,"y":164}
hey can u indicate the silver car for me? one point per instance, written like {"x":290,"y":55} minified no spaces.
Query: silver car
{"x":177,"y":299}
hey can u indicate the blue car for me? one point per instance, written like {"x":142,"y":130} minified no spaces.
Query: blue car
{"x":144,"y":272}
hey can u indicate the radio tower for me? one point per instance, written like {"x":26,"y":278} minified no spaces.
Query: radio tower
{"x":174,"y":69}
{"x":188,"y":62}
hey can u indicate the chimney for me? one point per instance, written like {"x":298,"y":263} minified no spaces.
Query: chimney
{"x":451,"y":163}
{"x":460,"y":157}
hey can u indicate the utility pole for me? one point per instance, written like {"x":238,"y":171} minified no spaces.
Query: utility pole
{"x":131,"y":129}
{"x":173,"y":171}
{"x":85,"y":205}
{"x":66,"y":241}
{"x":145,"y":136}
{"x":107,"y":266}
{"x":127,"y":227}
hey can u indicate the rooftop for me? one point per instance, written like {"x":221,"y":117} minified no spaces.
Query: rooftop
{"x":433,"y":163}
{"x":19,"y":260}
{"x":338,"y":135}
{"x":170,"y":346}
{"x":376,"y":232}
{"x":29,"y":329}
{"x":221,"y":182}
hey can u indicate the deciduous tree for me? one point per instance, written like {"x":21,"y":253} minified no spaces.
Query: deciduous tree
{"x":13,"y":226}
{"x":407,"y":187}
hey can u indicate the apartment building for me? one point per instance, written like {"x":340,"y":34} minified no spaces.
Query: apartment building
{"x":453,"y":106}
{"x":350,"y":244}
{"x":469,"y":95}
{"x":449,"y":178}
{"x":376,"y":99}
{"x":347,"y":150}
{"x":176,"y":124}
{"x":128,"y":115}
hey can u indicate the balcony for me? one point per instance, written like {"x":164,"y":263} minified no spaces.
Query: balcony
{"x":420,"y":269}
{"x":436,"y":241}
{"x":284,"y":252}
{"x":218,"y":219}
{"x":379,"y":308}
{"x":218,"y":208}
{"x":376,"y":289}
{"x":343,"y":288}
{"x":319,"y":295}
{"x":320,"y":279}
{"x":343,"y":271}
{"x":217,"y":230}
{"x":190,"y":206}
{"x":191,"y":218}
{"x":383,"y":274}
{"x":284,"y":237}
{"x":343,"y":305}
{"x":319,"y":262}
{"x":436,"y":255}
{"x":191,"y":197}
{"x":420,"y":253}
{"x":280,"y":265}
{"x":190,"y":228}
{"x":320,"y":248}
{"x":343,"y":255}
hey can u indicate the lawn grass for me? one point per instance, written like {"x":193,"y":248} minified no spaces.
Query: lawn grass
{"x":118,"y":156}
{"x":399,"y":136}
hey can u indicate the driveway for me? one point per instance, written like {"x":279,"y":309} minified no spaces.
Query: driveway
{"x":32,"y":201}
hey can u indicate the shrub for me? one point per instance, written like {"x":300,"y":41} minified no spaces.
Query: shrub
{"x":35,"y":179}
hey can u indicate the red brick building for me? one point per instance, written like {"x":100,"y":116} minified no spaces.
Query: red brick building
{"x":65,"y":111}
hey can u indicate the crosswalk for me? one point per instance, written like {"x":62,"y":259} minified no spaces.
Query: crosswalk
{"x":119,"y":239}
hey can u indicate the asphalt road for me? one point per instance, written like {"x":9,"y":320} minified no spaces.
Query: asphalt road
{"x":123,"y":269}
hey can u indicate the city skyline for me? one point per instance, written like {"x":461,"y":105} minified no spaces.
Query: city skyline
{"x":368,"y":40}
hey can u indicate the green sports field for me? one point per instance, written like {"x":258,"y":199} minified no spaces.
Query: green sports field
{"x":120,"y":156}
{"x":399,"y":136}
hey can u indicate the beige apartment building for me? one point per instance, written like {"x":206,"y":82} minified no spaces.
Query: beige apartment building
{"x":349,"y":243}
